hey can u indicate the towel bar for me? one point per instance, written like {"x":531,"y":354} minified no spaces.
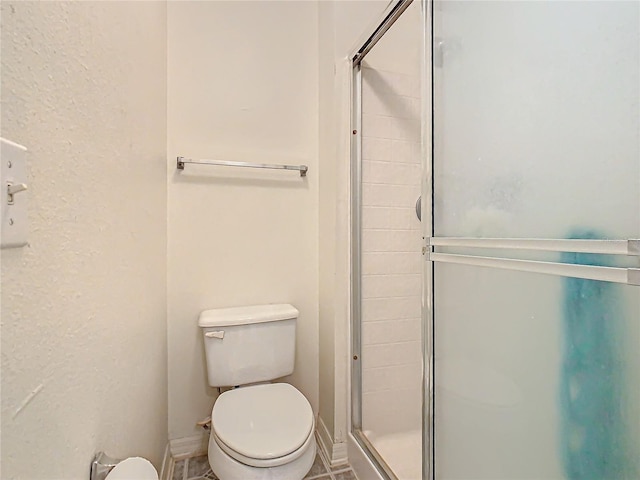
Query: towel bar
{"x":225,"y":163}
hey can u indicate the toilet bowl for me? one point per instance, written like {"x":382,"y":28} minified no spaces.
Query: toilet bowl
{"x":262,"y":432}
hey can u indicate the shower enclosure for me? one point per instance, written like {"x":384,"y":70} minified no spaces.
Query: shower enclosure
{"x":495,"y":252}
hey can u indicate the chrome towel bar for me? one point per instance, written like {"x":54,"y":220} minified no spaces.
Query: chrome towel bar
{"x":225,"y":163}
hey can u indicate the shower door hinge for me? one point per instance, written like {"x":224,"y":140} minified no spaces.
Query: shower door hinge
{"x":426,"y":247}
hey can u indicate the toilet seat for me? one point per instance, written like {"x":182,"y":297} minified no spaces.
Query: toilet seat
{"x":273,"y":462}
{"x":263,"y":425}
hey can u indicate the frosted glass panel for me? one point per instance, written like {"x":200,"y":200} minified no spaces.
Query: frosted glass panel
{"x":536,"y":118}
{"x":536,"y":135}
{"x":537,"y":377}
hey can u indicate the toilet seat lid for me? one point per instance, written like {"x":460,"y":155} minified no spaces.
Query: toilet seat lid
{"x":262,"y":421}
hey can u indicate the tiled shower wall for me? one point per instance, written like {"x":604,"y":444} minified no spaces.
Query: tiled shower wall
{"x":391,"y":257}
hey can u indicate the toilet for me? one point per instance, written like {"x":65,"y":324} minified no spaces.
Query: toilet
{"x":259,"y":430}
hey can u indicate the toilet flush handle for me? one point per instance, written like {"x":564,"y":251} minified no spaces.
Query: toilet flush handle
{"x":215,"y":334}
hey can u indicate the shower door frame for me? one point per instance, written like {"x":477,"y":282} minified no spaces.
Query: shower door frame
{"x":389,"y":16}
{"x":432,"y":244}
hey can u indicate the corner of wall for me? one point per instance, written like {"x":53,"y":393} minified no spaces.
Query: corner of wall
{"x":335,"y":452}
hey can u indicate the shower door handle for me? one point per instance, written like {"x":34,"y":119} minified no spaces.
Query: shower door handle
{"x":419,"y":208}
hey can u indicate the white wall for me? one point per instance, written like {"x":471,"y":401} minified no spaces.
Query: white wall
{"x":243,"y":85}
{"x":84,"y":306}
{"x":327,"y":216}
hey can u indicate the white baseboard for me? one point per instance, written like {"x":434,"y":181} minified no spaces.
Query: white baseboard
{"x":167,"y":464}
{"x":335,"y":453}
{"x":189,"y":446}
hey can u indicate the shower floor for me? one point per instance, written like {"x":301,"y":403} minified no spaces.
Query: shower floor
{"x":402,"y":451}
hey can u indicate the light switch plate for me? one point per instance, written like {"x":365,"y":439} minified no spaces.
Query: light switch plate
{"x":14,"y":226}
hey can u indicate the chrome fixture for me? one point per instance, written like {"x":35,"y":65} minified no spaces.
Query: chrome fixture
{"x":226,"y":163}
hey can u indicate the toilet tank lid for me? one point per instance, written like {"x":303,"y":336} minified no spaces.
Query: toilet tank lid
{"x":225,"y":317}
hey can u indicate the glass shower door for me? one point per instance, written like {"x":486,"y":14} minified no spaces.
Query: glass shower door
{"x":387,"y":353}
{"x":536,"y":165}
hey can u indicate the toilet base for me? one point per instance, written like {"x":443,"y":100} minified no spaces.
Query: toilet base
{"x":227,"y":468}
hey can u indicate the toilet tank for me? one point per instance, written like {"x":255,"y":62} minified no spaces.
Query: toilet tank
{"x":249,"y":344}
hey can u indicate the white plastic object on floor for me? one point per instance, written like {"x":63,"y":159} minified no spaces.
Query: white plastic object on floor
{"x":133,"y":468}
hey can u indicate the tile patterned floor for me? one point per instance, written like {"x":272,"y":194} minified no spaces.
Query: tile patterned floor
{"x":197,"y":468}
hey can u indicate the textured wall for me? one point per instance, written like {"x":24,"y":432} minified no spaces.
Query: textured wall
{"x":242,"y":85}
{"x":84,"y":307}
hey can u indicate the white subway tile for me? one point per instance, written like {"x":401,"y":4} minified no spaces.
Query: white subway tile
{"x":375,"y":81}
{"x":416,"y":109}
{"x":393,"y":377}
{"x":405,"y":129}
{"x":390,"y":411}
{"x":401,"y":353}
{"x":416,"y":88}
{"x":377,"y":263}
{"x":395,"y":82}
{"x":391,"y":241}
{"x":375,"y":102}
{"x":403,"y":151}
{"x":376,"y":148}
{"x":391,"y":331}
{"x":405,"y":85}
{"x":382,"y":195}
{"x":380,"y":217}
{"x":375,"y":309}
{"x":390,"y":218}
{"x":392,"y":285}
{"x":376,"y":171}
{"x":394,"y":173}
{"x":402,"y":107}
{"x":378,"y":126}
